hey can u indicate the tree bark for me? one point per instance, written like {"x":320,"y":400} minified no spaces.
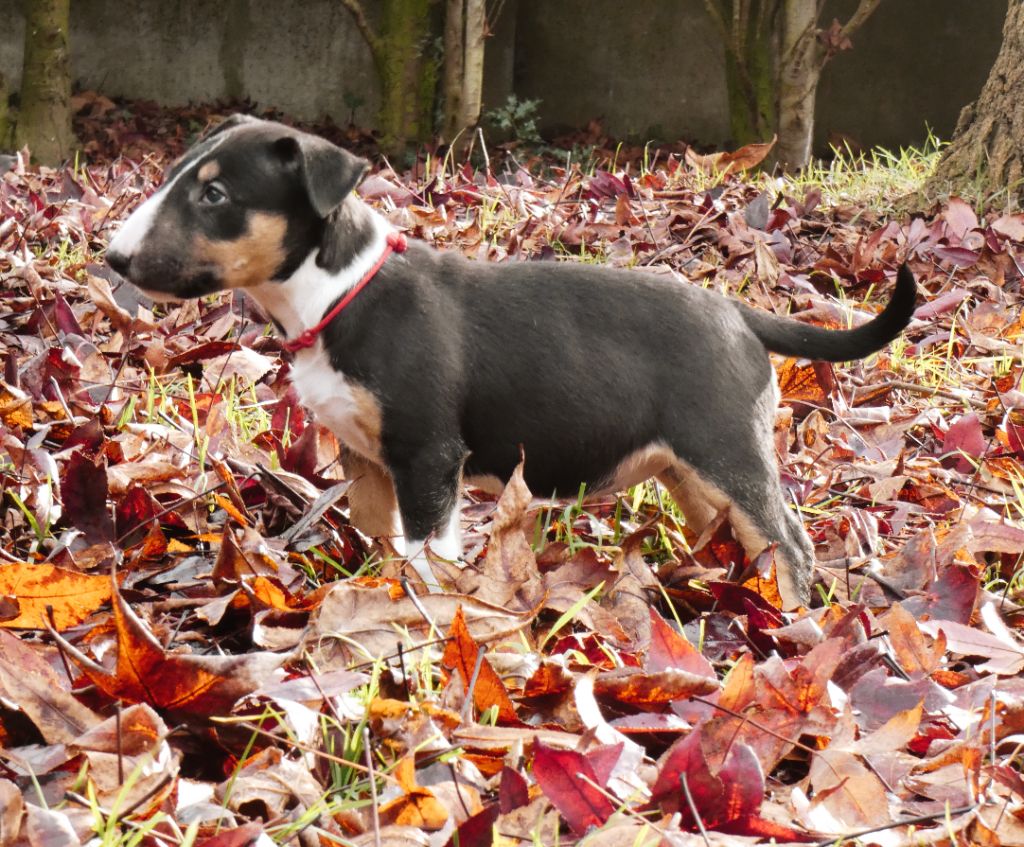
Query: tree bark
{"x":454,"y":66}
{"x":748,"y":31}
{"x":408,"y":75}
{"x":5,"y":126}
{"x":44,"y":119}
{"x":465,"y":25}
{"x":775,"y":53}
{"x":799,"y":71}
{"x":986,"y":155}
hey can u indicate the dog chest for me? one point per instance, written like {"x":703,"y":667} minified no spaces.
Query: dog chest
{"x":344,"y":406}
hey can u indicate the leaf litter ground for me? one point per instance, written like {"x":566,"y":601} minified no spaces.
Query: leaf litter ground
{"x":196,"y":647}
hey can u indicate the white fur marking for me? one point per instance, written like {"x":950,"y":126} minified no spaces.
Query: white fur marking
{"x":299,"y":302}
{"x":326,"y":391}
{"x":135,"y":229}
{"x":447,"y":545}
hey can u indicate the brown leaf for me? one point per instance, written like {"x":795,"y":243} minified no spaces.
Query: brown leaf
{"x":84,"y":492}
{"x":48,"y":828}
{"x":366,"y":620}
{"x":28,"y":680}
{"x":509,"y":576}
{"x":743,"y":159}
{"x":11,"y":808}
{"x":270,"y":783}
{"x":915,"y":656}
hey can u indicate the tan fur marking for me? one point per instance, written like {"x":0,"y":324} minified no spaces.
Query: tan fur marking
{"x":250,"y":259}
{"x":367,"y":418}
{"x":489,"y":484}
{"x":209,"y":171}
{"x":637,"y":467}
{"x":373,"y":507}
{"x":697,"y":499}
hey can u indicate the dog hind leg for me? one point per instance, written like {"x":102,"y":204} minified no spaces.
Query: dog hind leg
{"x":757,"y":511}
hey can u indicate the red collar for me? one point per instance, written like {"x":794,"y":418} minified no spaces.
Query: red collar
{"x":395,"y":243}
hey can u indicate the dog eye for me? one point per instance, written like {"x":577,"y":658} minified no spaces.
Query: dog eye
{"x":212,"y":195}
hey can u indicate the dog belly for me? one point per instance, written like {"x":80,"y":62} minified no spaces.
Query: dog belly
{"x":559,"y":469}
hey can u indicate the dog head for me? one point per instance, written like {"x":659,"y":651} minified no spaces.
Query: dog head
{"x":248,"y":203}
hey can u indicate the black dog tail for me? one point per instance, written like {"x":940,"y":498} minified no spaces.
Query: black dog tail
{"x":792,"y":338}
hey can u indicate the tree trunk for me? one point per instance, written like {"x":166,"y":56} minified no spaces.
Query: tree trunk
{"x":44,"y":119}
{"x":5,"y":127}
{"x":748,"y":32}
{"x":454,"y":66}
{"x":986,"y":155}
{"x":407,"y":73}
{"x":773,"y":65}
{"x":800,"y":67}
{"x":465,"y":24}
{"x":751,"y":86}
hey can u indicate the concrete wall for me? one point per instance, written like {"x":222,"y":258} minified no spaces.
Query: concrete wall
{"x":657,"y":68}
{"x":649,"y":67}
{"x":914,"y":62}
{"x":300,"y":57}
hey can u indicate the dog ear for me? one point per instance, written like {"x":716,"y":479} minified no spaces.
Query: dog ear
{"x":328,"y":172}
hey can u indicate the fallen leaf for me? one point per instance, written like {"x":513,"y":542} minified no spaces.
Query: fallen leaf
{"x":73,"y":596}
{"x":569,"y":782}
{"x":146,"y":673}
{"x":461,"y":655}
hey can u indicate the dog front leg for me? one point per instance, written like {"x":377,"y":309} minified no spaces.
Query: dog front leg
{"x":428,"y":501}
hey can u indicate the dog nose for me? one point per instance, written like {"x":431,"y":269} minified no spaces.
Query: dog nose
{"x":119,"y":261}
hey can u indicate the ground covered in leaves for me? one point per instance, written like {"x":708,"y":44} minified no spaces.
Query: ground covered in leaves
{"x":196,"y":648}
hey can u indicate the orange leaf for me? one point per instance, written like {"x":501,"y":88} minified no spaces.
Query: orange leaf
{"x":229,"y":507}
{"x":461,"y":654}
{"x":766,"y":587}
{"x":73,"y":595}
{"x":15,"y":407}
{"x":271,"y":593}
{"x":800,"y":384}
{"x":417,"y":807}
{"x":146,"y":673}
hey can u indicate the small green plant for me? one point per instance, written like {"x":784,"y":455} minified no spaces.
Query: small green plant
{"x":352,"y":102}
{"x":517,"y":118}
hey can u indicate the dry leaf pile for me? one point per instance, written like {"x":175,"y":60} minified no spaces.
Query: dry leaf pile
{"x":197,"y":648}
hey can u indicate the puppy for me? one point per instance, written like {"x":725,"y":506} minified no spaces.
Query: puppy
{"x":433,"y":370}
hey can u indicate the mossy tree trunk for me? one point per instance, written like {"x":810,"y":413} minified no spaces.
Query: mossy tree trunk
{"x":407,"y":72}
{"x":986,"y":154}
{"x":775,"y":52}
{"x":5,"y":126}
{"x":748,"y":32}
{"x":465,"y":25}
{"x":44,"y":118}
